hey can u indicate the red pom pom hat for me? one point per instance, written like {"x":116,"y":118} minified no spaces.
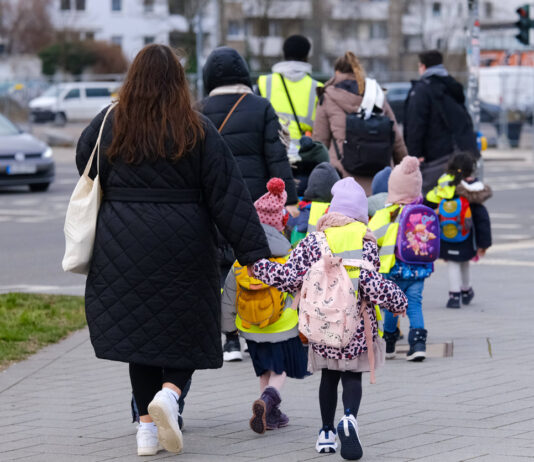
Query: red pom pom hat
{"x":270,"y":206}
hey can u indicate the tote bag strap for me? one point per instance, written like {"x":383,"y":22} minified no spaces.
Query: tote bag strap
{"x":97,"y":146}
{"x":234,"y":107}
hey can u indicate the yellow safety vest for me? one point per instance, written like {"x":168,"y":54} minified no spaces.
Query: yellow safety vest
{"x":444,"y":189}
{"x":303,"y":95}
{"x":386,"y":232}
{"x":317,"y":210}
{"x":347,"y":242}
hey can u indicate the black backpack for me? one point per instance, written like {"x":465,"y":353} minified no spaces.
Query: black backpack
{"x":368,"y":143}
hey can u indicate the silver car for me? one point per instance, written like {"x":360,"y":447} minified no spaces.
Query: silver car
{"x":24,"y":160}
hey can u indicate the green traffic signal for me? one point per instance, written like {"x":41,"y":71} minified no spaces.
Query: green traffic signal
{"x":524,"y":24}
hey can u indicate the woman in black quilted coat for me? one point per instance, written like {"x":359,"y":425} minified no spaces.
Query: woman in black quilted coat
{"x":252,"y":133}
{"x":153,"y":295}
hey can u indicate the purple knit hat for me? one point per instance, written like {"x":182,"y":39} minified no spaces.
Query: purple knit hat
{"x":350,"y":200}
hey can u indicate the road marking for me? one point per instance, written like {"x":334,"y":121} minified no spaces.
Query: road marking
{"x":9,"y":212}
{"x":504,"y":262}
{"x":507,"y":225}
{"x":513,"y":246}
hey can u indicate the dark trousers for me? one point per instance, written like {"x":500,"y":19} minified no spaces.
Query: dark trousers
{"x":352,"y":393}
{"x":147,"y":381}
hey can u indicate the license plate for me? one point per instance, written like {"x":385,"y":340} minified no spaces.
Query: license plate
{"x":21,"y":169}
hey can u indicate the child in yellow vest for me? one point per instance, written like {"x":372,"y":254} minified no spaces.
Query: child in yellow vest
{"x":264,"y":318}
{"x":347,"y":211}
{"x":404,"y":188}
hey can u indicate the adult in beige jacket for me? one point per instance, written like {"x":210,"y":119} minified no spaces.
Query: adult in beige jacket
{"x":342,"y":94}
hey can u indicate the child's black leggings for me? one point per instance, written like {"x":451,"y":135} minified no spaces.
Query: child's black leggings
{"x":147,"y":381}
{"x":352,"y":394}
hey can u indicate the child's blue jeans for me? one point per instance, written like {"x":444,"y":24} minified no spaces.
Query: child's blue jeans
{"x":413,"y":290}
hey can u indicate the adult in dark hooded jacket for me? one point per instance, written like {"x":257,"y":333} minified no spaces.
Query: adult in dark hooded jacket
{"x":152,"y":297}
{"x":252,"y":132}
{"x":436,"y":121}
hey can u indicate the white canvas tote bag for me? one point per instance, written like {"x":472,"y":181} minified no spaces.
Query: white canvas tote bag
{"x":82,"y":213}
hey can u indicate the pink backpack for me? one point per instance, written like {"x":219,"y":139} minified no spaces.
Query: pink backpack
{"x":328,"y":312}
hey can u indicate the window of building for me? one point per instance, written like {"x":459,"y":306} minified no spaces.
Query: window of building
{"x":379,"y":30}
{"x":275,"y":29}
{"x":176,"y":7}
{"x":64,"y":5}
{"x":149,"y":39}
{"x":80,"y":5}
{"x":436,"y":9}
{"x":116,"y":40}
{"x":116,"y":5}
{"x":89,"y":35}
{"x":148,"y":6}
{"x":97,"y":92}
{"x":234,"y":29}
{"x":74,"y":93}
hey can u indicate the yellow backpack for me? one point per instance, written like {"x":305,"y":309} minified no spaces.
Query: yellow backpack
{"x":257,"y":303}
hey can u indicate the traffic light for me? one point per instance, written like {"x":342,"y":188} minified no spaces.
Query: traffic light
{"x":524,"y":24}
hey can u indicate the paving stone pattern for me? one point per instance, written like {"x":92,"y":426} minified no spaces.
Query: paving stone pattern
{"x":64,"y":405}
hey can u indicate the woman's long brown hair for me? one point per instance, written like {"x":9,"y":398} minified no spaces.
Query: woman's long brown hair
{"x":349,"y":64}
{"x":154,"y":112}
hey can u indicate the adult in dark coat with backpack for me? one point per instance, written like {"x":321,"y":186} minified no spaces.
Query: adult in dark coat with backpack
{"x":343,"y":94}
{"x":153,"y":295}
{"x":436,"y":121}
{"x":252,"y":132}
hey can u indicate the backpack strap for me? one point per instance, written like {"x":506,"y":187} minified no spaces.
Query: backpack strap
{"x":291,"y":104}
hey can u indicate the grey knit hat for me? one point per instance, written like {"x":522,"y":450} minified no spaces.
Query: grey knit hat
{"x":320,"y":183}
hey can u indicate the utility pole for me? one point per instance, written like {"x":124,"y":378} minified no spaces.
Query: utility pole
{"x":473,"y":63}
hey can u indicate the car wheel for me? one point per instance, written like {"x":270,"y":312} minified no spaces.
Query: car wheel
{"x":60,"y":119}
{"x":39,"y":187}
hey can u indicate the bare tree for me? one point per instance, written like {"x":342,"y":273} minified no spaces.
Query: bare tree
{"x":26,"y":25}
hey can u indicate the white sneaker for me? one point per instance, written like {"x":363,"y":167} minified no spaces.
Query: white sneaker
{"x":147,"y":442}
{"x":164,"y":412}
{"x":326,"y":441}
{"x":347,"y":430}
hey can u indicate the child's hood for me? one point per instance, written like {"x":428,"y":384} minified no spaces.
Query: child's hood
{"x":278,"y":244}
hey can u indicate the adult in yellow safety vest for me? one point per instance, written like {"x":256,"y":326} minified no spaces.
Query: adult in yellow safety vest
{"x":292,"y":91}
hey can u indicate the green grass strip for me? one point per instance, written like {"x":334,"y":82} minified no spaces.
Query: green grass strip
{"x":30,"y":321}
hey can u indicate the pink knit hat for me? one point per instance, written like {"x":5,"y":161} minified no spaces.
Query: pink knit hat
{"x":405,"y":182}
{"x":270,"y":206}
{"x":350,"y":200}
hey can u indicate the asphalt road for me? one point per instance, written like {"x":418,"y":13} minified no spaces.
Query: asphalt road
{"x":32,"y":242}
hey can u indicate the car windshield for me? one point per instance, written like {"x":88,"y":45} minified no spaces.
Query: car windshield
{"x":6,"y":127}
{"x":54,"y":90}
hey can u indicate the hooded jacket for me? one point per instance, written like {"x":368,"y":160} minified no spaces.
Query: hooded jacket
{"x":339,"y":97}
{"x":436,"y":121}
{"x":252,"y":132}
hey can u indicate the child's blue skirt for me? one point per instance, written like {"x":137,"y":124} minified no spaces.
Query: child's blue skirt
{"x":288,"y":356}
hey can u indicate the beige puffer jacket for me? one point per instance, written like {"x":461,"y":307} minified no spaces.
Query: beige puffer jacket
{"x":330,"y":124}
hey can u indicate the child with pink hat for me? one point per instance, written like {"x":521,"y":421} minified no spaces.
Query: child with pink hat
{"x":264,"y":317}
{"x":404,"y":188}
{"x":348,"y":210}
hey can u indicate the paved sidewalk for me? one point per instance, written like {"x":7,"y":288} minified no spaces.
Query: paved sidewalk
{"x":64,"y":405}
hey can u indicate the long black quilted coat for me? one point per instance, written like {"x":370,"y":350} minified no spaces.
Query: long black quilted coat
{"x":152,"y":295}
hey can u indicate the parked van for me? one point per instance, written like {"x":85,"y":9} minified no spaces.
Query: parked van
{"x":73,"y":101}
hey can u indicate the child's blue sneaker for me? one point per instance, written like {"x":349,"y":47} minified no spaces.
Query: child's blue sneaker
{"x":326,"y":441}
{"x":347,"y":430}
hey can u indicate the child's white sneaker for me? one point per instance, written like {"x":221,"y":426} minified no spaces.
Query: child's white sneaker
{"x":164,"y":412}
{"x":347,"y":430}
{"x":147,"y":441}
{"x":326,"y":441}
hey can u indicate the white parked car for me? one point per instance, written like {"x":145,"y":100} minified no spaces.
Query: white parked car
{"x":72,"y":101}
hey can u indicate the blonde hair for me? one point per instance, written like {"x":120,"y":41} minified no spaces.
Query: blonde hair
{"x":349,"y":64}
